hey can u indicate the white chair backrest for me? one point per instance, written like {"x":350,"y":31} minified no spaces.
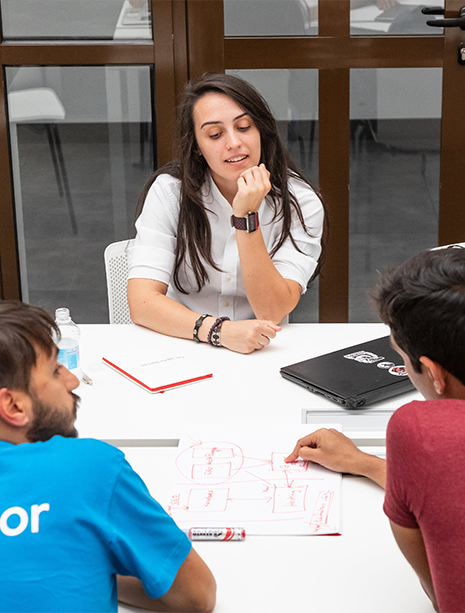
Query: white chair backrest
{"x":39,"y":104}
{"x":451,"y":246}
{"x":116,"y":270}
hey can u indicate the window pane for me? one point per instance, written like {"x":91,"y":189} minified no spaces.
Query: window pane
{"x":390,"y":17}
{"x":76,"y":19}
{"x":270,"y":17}
{"x":293,"y":98}
{"x":394,"y":173}
{"x":77,"y":193}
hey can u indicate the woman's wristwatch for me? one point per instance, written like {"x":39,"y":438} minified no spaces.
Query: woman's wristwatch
{"x":249,"y":223}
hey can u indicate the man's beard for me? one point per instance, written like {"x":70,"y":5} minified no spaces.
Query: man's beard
{"x":50,"y":421}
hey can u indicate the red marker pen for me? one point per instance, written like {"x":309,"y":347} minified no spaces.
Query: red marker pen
{"x":215,"y":534}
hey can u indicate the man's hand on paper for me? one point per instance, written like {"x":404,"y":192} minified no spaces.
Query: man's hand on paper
{"x":335,"y":451}
{"x":330,"y":448}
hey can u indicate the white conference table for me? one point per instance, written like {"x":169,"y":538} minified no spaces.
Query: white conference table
{"x":361,"y":571}
{"x":244,"y":390}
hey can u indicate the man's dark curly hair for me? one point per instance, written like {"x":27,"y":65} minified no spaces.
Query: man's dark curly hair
{"x":423,"y":302}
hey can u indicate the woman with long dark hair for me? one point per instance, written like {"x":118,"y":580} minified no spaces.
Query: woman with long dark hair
{"x":230,"y":234}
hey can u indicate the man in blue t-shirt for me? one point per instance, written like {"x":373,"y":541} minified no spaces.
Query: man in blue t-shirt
{"x":78,"y":527}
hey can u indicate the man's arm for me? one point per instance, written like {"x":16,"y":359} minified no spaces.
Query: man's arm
{"x":411,"y":544}
{"x":193,"y":589}
{"x":333,"y":450}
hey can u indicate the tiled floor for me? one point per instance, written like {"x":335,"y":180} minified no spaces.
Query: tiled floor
{"x":393,"y":214}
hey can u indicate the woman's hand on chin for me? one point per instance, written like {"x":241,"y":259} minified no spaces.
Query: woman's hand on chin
{"x":252,"y":186}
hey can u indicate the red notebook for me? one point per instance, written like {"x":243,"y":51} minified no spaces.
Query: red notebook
{"x":157,"y":373}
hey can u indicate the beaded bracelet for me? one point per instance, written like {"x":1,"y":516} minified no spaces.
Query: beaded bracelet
{"x":198,"y":323}
{"x":213,"y":337}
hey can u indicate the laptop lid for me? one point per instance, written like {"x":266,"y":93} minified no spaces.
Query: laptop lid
{"x":355,"y":376}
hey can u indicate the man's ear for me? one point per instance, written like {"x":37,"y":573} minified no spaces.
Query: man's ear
{"x":436,"y":374}
{"x":15,"y":407}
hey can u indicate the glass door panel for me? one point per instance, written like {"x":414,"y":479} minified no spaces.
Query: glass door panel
{"x":81,"y":149}
{"x":392,"y":18}
{"x":76,"y":19}
{"x":270,"y":17}
{"x":394,"y":173}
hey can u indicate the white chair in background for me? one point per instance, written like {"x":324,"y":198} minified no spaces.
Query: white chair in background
{"x":116,"y":270}
{"x":451,"y":246}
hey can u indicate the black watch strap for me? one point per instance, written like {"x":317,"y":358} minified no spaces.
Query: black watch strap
{"x":249,"y":223}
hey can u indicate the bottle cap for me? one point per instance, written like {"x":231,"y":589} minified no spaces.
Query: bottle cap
{"x":62,"y":315}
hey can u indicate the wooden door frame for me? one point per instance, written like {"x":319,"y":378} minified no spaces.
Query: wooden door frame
{"x":452,"y":182}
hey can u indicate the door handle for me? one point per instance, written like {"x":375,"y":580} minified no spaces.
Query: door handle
{"x":432,"y":10}
{"x":459,"y":22}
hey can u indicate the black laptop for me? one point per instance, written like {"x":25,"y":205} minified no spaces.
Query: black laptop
{"x":355,"y":376}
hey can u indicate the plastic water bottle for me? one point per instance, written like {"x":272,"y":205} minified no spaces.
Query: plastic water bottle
{"x":68,"y":345}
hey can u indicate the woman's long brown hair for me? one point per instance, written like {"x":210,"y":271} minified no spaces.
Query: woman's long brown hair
{"x":193,"y":240}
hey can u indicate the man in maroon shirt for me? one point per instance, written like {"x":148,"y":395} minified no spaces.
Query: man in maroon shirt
{"x":423,"y":303}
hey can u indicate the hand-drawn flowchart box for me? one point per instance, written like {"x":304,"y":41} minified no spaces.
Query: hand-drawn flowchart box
{"x":208,"y":500}
{"x":216,"y":471}
{"x":321,"y":510}
{"x":289,"y":499}
{"x":220,"y":453}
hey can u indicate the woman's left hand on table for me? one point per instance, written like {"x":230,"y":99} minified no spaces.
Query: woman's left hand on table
{"x":248,"y":335}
